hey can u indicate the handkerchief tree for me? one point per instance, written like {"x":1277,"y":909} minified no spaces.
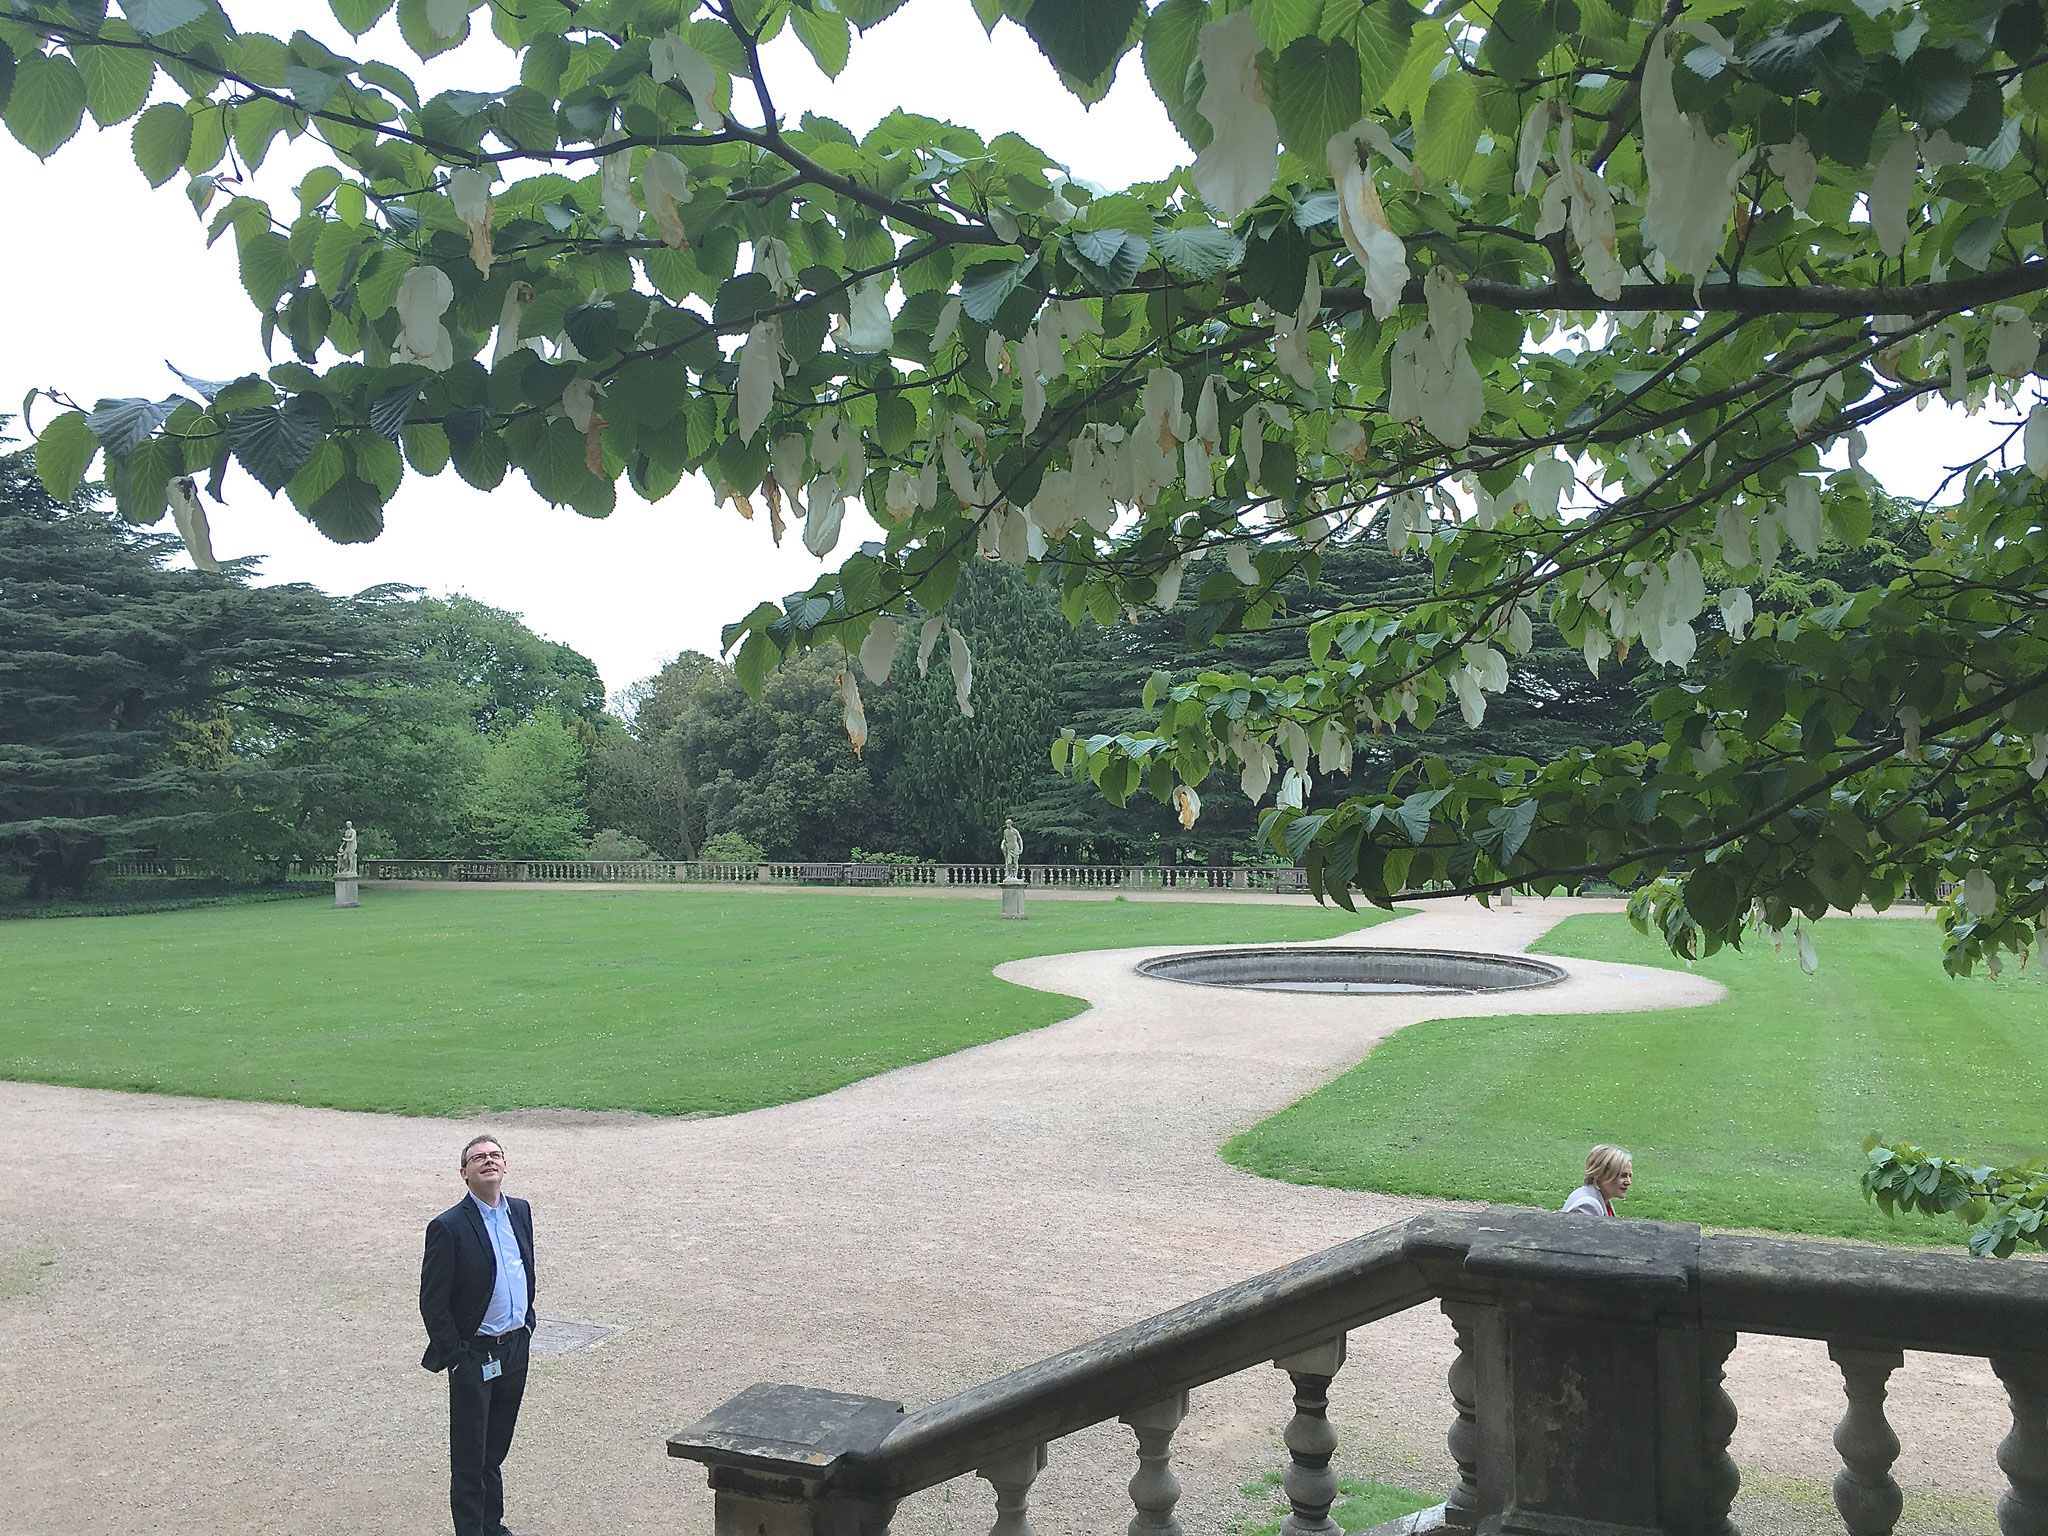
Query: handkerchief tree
{"x":1587,"y":307}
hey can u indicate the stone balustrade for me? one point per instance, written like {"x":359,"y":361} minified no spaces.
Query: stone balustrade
{"x":1074,"y":877}
{"x":1586,"y":1398}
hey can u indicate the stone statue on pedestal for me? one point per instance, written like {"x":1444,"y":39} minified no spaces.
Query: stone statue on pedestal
{"x":1013,"y":851}
{"x":345,"y":871}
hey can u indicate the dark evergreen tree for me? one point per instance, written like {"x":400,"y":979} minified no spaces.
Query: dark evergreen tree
{"x":122,"y":682}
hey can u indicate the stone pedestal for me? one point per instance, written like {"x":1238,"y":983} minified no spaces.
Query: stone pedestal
{"x":1013,"y":898}
{"x":345,"y":891}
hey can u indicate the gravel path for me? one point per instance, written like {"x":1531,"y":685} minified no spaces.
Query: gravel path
{"x":207,"y":1320}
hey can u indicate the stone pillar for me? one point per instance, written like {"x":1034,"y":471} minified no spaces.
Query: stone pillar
{"x":1865,"y":1492}
{"x":1011,"y":1478}
{"x":1310,"y":1482}
{"x":1461,"y":1504}
{"x":1013,"y":898}
{"x":345,"y":891}
{"x":1155,"y":1490}
{"x":2023,"y":1454}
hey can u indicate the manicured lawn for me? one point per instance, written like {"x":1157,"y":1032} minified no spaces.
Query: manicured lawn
{"x":439,"y":1002}
{"x":1749,"y":1113}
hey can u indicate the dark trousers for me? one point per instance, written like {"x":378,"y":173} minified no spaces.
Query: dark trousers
{"x":481,"y":1416}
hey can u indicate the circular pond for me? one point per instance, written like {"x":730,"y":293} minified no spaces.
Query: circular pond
{"x":1378,"y":971}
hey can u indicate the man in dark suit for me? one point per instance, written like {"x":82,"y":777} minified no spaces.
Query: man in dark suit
{"x":476,"y":1298}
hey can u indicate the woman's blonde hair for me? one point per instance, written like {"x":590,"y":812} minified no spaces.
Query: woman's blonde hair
{"x":1605,"y":1162}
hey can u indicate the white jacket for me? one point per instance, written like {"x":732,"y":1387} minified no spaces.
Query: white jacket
{"x":1587,"y":1198}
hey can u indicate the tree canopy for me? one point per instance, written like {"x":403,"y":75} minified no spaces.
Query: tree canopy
{"x":1584,"y":306}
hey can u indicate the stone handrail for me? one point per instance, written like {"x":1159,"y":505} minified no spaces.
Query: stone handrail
{"x":1586,"y":1398}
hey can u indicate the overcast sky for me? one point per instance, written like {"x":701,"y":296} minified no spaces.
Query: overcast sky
{"x":109,"y":280}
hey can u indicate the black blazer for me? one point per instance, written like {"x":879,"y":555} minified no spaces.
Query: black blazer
{"x":458,"y":1274}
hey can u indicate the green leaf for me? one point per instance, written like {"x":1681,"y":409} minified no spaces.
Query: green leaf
{"x":1275,"y":268}
{"x":140,"y":480}
{"x":868,"y":13}
{"x":741,"y":298}
{"x":825,"y":36}
{"x":121,"y":425}
{"x":311,"y":89}
{"x":987,"y":285}
{"x":64,"y":452}
{"x":1711,"y":896}
{"x":162,"y":138}
{"x":482,"y":461}
{"x":553,"y":462}
{"x":594,"y":328}
{"x":46,"y":104}
{"x":527,"y":118}
{"x":1450,"y":127}
{"x":397,"y":82}
{"x":1381,"y":37}
{"x":1784,"y":60}
{"x":117,"y":80}
{"x":349,"y":512}
{"x":358,"y":16}
{"x":1313,"y":87}
{"x":1280,"y":22}
{"x":1084,"y":39}
{"x":1201,"y":253}
{"x":273,"y":444}
{"x":1171,"y":33}
{"x":267,"y":268}
{"x":1107,"y":259}
{"x":420,"y":37}
{"x":1522,"y":32}
{"x":153,"y":18}
{"x":1512,"y":823}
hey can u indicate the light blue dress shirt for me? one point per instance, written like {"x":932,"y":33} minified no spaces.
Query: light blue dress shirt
{"x":509,"y":1295}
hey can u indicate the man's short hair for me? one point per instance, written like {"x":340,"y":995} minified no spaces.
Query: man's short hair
{"x":1603,"y":1162}
{"x":476,"y":1141}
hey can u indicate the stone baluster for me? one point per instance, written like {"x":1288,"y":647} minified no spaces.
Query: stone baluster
{"x":1012,"y":1478}
{"x":1865,"y":1493}
{"x":1155,"y":1490}
{"x":1461,"y":1505}
{"x":2023,"y":1454}
{"x":1717,"y":1428}
{"x":1310,"y":1482}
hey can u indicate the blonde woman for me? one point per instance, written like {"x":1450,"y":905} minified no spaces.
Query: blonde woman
{"x":1609,"y":1172}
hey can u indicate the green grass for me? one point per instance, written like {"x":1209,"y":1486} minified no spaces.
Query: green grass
{"x":442,"y":1002}
{"x":1748,"y":1113}
{"x":1362,"y":1503}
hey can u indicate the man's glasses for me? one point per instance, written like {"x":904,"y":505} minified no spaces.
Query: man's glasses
{"x":483,"y":1157}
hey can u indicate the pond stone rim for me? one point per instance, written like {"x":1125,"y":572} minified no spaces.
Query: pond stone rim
{"x":1286,"y":966}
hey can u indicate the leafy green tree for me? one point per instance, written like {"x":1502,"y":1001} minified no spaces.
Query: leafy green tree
{"x":777,"y":772}
{"x":1562,"y":303}
{"x":398,"y":758}
{"x":125,"y":687}
{"x":529,"y":802}
{"x":642,"y":788}
{"x":508,"y":672}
